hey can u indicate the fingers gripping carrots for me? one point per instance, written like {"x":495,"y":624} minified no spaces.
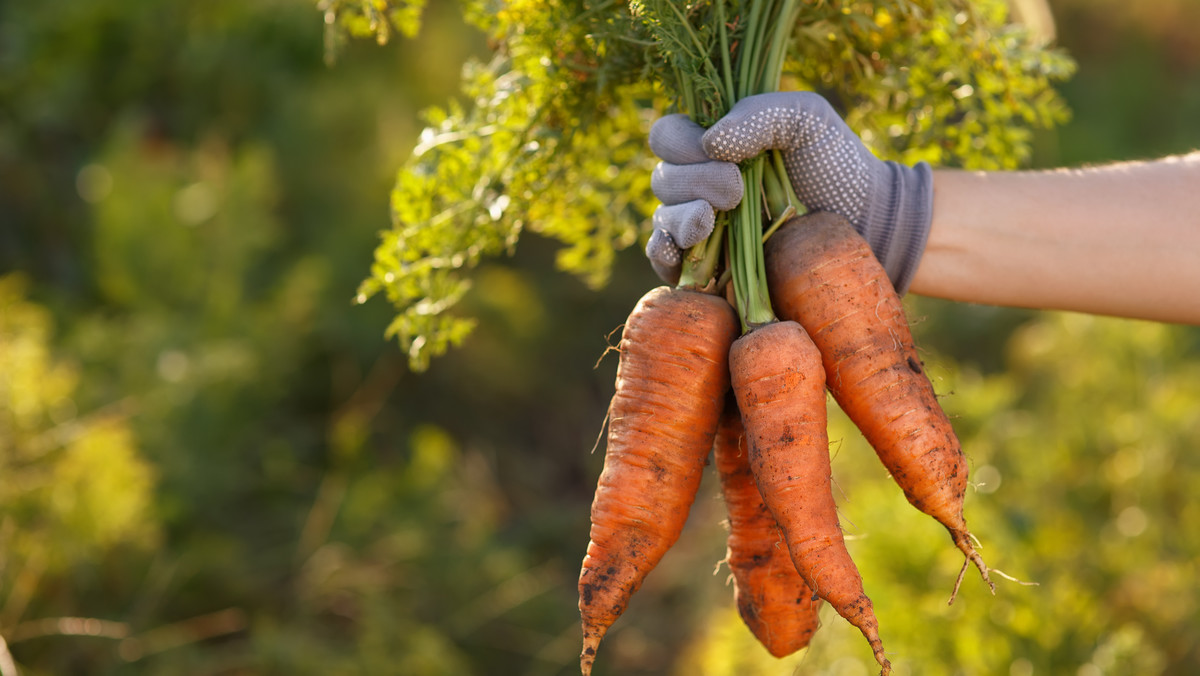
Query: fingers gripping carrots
{"x":772,"y":598}
{"x":822,"y":274}
{"x":779,"y":382}
{"x":671,"y":383}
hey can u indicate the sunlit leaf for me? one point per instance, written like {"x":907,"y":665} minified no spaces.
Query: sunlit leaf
{"x":549,"y":136}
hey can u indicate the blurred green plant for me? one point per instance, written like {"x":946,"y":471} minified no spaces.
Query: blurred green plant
{"x":548,"y":141}
{"x":395,"y":525}
{"x":75,"y":485}
{"x":367,"y":18}
{"x":949,"y":82}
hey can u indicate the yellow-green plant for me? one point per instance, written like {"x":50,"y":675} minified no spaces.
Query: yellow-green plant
{"x":73,"y":485}
{"x":549,"y":136}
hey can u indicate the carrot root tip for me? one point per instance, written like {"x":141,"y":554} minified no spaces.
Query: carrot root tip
{"x":588,"y":656}
{"x":885,"y":666}
{"x":592,"y":635}
{"x":962,"y":539}
{"x":962,"y":572}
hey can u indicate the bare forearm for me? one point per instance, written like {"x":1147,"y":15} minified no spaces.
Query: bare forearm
{"x":1119,"y":240}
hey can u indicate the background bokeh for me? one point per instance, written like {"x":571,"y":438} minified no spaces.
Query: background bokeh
{"x":211,"y":462}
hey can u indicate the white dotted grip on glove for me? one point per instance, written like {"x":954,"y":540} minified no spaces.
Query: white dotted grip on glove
{"x":830,"y":169}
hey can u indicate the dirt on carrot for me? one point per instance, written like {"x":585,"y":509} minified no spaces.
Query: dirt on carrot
{"x":777,"y":376}
{"x":772,"y":598}
{"x":672,"y":378}
{"x":822,"y":274}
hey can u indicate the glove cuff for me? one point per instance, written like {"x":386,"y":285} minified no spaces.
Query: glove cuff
{"x":898,"y":219}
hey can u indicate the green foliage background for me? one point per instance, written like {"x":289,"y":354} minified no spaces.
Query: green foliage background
{"x":212,"y":462}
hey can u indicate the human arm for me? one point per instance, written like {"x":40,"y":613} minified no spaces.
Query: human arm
{"x":1121,"y":239}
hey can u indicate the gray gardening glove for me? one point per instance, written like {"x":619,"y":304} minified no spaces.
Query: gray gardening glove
{"x":889,"y":204}
{"x":692,"y":188}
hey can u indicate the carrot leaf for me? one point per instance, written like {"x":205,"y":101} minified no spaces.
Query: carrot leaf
{"x":549,"y":135}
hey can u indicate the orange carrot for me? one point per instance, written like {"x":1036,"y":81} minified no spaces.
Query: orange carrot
{"x":771,"y":596}
{"x":671,"y":382}
{"x":779,"y":382}
{"x":822,"y":274}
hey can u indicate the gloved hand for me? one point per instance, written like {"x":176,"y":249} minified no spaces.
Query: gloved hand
{"x":889,"y":204}
{"x":691,"y":187}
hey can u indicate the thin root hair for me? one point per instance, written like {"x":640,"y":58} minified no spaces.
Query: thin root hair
{"x":609,"y":347}
{"x":1010,"y":578}
{"x":603,"y":426}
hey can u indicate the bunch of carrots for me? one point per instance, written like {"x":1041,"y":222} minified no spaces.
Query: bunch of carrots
{"x":811,"y":311}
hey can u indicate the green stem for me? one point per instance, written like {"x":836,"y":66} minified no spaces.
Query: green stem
{"x":687,"y":95}
{"x":700,"y":261}
{"x":749,"y":52}
{"x":683,"y":21}
{"x":780,"y":195}
{"x":788,"y":214}
{"x":775,"y":199}
{"x":726,"y":66}
{"x":746,"y":252}
{"x":765,"y":29}
{"x":777,"y":52}
{"x":760,"y":64}
{"x":734,"y":271}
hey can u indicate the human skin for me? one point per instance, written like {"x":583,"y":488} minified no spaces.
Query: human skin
{"x":1120,"y":239}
